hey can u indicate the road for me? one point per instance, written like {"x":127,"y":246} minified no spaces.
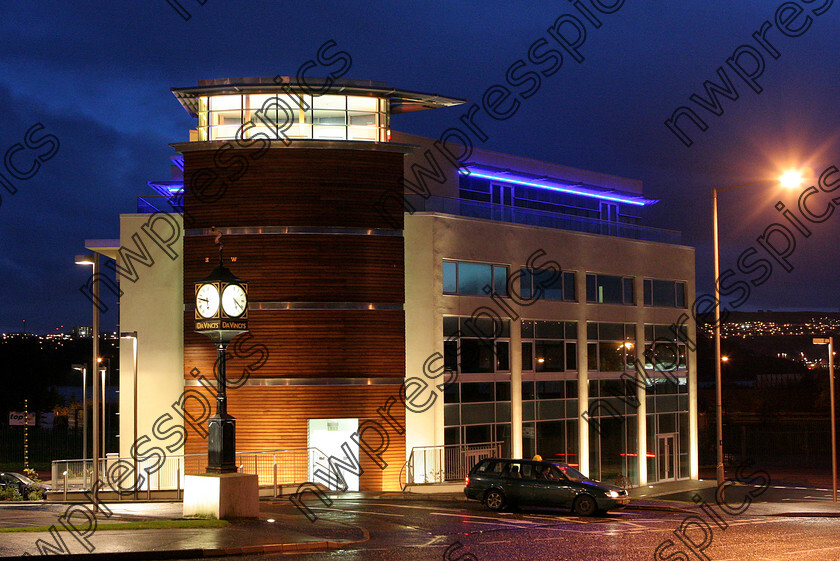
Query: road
{"x":466,"y":531}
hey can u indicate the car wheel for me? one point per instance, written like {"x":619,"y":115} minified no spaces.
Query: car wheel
{"x":585,"y":506}
{"x":494,"y":500}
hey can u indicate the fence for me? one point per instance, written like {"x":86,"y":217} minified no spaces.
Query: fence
{"x":439,"y":464}
{"x":155,"y":473}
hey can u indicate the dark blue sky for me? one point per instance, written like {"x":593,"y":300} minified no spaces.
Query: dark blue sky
{"x":97,"y":76}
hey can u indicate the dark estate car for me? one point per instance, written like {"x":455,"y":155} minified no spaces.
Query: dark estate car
{"x":502,"y":482}
{"x":23,"y":484}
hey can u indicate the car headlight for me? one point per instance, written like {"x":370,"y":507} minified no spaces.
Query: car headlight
{"x":612,"y":494}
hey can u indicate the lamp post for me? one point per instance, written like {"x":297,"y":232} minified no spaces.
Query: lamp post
{"x":789,"y":179}
{"x":133,"y":335}
{"x":830,"y":342}
{"x":93,"y":259}
{"x":83,"y":369}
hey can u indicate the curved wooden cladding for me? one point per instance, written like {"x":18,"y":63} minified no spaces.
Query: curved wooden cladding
{"x":307,"y":343}
{"x":291,"y":187}
{"x":304,"y":267}
{"x":276,"y":417}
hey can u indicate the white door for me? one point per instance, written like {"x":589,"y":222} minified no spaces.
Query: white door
{"x":336,"y":454}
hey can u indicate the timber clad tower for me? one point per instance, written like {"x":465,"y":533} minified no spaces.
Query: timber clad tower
{"x":326,"y":269}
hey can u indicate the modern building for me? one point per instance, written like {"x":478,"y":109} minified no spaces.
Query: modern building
{"x":404,"y":303}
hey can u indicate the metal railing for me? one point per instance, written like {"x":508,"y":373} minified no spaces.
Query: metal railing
{"x":543,"y":218}
{"x":131,"y":476}
{"x":450,"y":462}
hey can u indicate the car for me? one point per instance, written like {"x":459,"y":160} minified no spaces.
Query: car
{"x":502,"y":482}
{"x":23,"y":484}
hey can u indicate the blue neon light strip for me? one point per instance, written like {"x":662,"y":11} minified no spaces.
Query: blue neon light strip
{"x":561,"y":188}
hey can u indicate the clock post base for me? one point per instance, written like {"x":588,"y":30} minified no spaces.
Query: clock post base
{"x":222,"y":496}
{"x":221,"y":444}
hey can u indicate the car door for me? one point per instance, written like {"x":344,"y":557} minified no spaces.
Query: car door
{"x":514,"y":485}
{"x":552,"y":488}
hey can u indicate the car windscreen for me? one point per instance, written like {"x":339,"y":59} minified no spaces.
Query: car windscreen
{"x":25,"y":479}
{"x":571,"y":472}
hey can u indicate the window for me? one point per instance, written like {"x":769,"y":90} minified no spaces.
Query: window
{"x":474,"y":279}
{"x":609,"y":289}
{"x":547,"y":284}
{"x":275,"y":115}
{"x":664,"y":293}
{"x":546,"y":345}
{"x":611,"y":346}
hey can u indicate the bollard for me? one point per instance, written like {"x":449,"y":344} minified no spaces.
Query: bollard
{"x":275,"y":477}
{"x":65,"y":485}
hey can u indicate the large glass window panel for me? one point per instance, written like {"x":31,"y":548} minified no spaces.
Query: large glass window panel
{"x":610,"y":289}
{"x":472,"y":392}
{"x":663,"y":293}
{"x":569,"y":289}
{"x":502,"y":391}
{"x":450,"y":355}
{"x":611,"y":331}
{"x":628,"y":290}
{"x":550,"y":329}
{"x":648,"y":292}
{"x":329,"y":102}
{"x":571,"y":330}
{"x":450,"y":277}
{"x":549,"y":356}
{"x":527,"y":390}
{"x":551,"y":283}
{"x":502,"y":356}
{"x":572,"y":443}
{"x":362,"y":133}
{"x":476,"y":356}
{"x":452,"y":415}
{"x":451,"y":393}
{"x":363,"y":119}
{"x":452,"y":435}
{"x":473,"y":277}
{"x":525,"y":280}
{"x":450,"y":326}
{"x":500,"y":280}
{"x":527,"y":355}
{"x":571,"y":356}
{"x":551,"y":389}
{"x":527,"y":329}
{"x":503,"y":412}
{"x":551,"y":438}
{"x":328,"y":132}
{"x":612,"y":448}
{"x":611,"y":357}
{"x":361,"y":103}
{"x":478,"y":434}
{"x":321,"y":117}
{"x":680,"y":293}
{"x":472,"y":414}
{"x":591,"y":288}
{"x":592,"y":356}
{"x":225,"y":102}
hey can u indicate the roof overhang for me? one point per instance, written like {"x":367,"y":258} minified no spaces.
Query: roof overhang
{"x":400,"y":101}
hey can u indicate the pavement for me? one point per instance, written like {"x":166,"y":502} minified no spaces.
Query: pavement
{"x":273,"y":533}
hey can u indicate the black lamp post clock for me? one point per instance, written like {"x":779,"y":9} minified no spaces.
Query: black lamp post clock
{"x":221,"y":313}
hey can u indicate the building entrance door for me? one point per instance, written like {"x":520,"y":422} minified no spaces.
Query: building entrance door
{"x":666,"y":456}
{"x":334,"y":455}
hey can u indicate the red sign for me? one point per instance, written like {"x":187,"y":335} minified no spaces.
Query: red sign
{"x":16,"y":418}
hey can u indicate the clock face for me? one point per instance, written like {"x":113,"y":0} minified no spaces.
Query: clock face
{"x":234,"y":300}
{"x":207,"y":301}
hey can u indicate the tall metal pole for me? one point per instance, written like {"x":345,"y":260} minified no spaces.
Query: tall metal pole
{"x":833,"y":420}
{"x":84,"y":423}
{"x":102,"y":372}
{"x":94,"y":368}
{"x":134,"y":410}
{"x":718,"y":391}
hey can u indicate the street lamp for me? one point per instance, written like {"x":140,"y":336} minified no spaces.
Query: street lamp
{"x":830,"y":342}
{"x":83,"y":369}
{"x":93,"y":259}
{"x":133,"y":335}
{"x":789,"y":179}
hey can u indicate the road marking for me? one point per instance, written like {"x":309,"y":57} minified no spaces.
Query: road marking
{"x":355,"y":511}
{"x":497,"y":520}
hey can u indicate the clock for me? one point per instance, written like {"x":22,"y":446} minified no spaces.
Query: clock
{"x":234,"y":300}
{"x":207,"y":300}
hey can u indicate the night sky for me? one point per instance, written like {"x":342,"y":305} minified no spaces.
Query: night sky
{"x":97,"y":76}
